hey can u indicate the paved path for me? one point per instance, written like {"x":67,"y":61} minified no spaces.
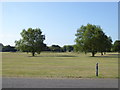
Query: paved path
{"x":58,"y":83}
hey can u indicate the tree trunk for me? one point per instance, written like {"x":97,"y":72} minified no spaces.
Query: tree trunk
{"x":33,"y":54}
{"x":104,"y":52}
{"x":101,"y":53}
{"x":93,"y":54}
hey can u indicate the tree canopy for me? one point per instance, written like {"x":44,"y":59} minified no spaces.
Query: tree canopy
{"x":91,"y":38}
{"x":116,"y":46}
{"x":55,"y":48}
{"x":32,"y":41}
{"x":68,"y":48}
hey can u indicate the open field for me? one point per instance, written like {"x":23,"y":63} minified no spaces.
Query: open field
{"x":59,"y":65}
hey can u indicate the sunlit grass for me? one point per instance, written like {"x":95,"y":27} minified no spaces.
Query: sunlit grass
{"x":59,"y":65}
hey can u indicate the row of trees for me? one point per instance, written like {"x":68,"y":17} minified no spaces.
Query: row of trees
{"x":57,"y":48}
{"x":53,"y":48}
{"x":89,"y":38}
{"x":7,"y":48}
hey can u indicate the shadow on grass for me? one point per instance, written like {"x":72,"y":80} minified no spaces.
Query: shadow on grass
{"x":108,"y":56}
{"x":55,"y":56}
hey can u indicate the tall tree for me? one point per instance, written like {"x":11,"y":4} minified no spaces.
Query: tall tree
{"x":91,"y":38}
{"x":32,"y":41}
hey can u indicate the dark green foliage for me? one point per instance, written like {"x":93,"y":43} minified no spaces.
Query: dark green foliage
{"x":46,"y":48}
{"x":68,"y":48}
{"x":32,"y":41}
{"x":1,"y":46}
{"x":116,"y":46}
{"x":92,"y":39}
{"x":8,"y":48}
{"x":55,"y":48}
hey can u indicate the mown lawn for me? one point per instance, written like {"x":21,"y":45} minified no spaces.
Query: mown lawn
{"x":59,"y":65}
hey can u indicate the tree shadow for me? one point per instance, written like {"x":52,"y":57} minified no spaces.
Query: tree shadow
{"x":109,"y":56}
{"x":55,"y":56}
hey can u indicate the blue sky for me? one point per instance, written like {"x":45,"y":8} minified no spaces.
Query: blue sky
{"x":58,"y":21}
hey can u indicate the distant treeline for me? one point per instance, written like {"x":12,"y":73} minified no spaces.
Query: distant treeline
{"x":53,"y":48}
{"x":56,"y":48}
{"x":7,"y":48}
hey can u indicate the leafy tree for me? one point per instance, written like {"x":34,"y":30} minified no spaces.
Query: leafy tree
{"x":91,"y":38}
{"x":108,"y":44}
{"x":46,"y":48}
{"x":32,"y":41}
{"x":116,"y":46}
{"x":78,"y":48}
{"x":68,"y":48}
{"x":64,"y":48}
{"x":55,"y":48}
{"x":105,"y":42}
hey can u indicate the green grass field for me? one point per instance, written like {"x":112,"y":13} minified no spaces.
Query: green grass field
{"x":59,"y":65}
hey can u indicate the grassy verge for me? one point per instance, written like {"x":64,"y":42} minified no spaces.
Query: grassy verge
{"x":59,"y":65}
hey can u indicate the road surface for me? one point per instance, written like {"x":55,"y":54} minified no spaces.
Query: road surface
{"x":58,"y":83}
